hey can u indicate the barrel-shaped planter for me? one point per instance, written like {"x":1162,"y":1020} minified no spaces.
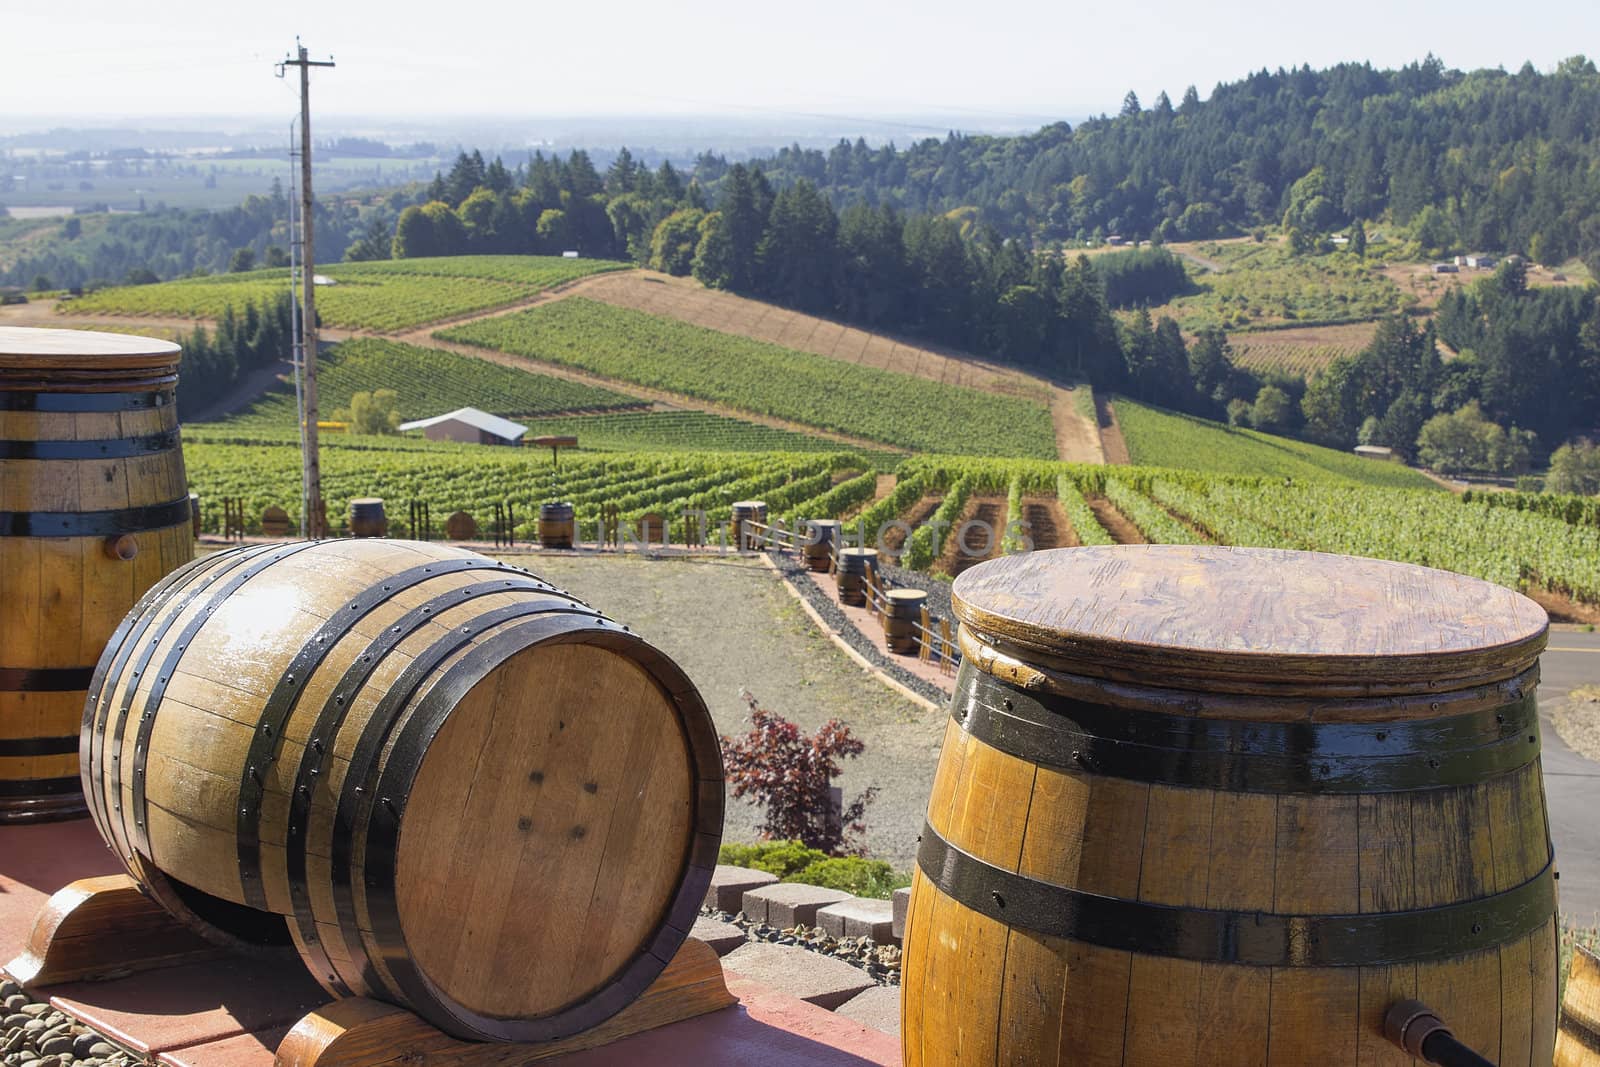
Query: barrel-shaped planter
{"x":445,"y":782}
{"x":851,"y":577}
{"x":557,"y":525}
{"x":821,"y":541}
{"x":94,"y":509}
{"x":901,"y":617}
{"x":1209,"y":805}
{"x":367,"y":518}
{"x":742,"y":512}
{"x":1578,"y":1042}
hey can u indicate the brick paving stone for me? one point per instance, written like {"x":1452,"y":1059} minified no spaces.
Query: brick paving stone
{"x":811,"y":976}
{"x":729,"y":885}
{"x":902,"y":904}
{"x":878,"y":1007}
{"x":722,"y":937}
{"x":859,"y":917}
{"x":789,"y":903}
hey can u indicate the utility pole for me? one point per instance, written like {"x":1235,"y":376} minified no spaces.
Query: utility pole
{"x":315,"y":525}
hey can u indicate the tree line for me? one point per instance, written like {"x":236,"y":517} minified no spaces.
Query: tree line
{"x":216,"y":360}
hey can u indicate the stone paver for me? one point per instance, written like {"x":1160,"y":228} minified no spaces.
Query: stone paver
{"x":789,"y":903}
{"x":722,"y":937}
{"x":859,"y":917}
{"x":811,"y":976}
{"x":729,"y":885}
{"x":878,"y":1007}
{"x":902,"y":905}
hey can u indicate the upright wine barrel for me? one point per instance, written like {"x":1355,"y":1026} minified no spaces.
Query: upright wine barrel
{"x":854,"y":563}
{"x":1578,"y":1042}
{"x":367,"y":518}
{"x":653,"y":528}
{"x":1201,"y":805}
{"x":822,"y":538}
{"x":746,"y":511}
{"x":557,"y":525}
{"x":901,"y":619}
{"x":461,"y":527}
{"x":94,"y":509}
{"x":447,"y":783}
{"x":275,"y":522}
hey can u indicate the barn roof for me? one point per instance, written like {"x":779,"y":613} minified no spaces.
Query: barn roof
{"x":481,"y":420}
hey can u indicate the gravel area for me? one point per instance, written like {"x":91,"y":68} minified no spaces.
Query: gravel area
{"x":730,"y":624}
{"x":802,"y":578}
{"x":35,"y":1034}
{"x":881,"y":962}
{"x":938,"y":590}
{"x":1578,"y":722}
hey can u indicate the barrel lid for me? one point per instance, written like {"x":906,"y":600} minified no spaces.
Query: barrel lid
{"x":907,"y":594}
{"x":749,"y":503}
{"x":30,"y":347}
{"x":868,"y":552}
{"x":354,"y":501}
{"x":1262,"y":616}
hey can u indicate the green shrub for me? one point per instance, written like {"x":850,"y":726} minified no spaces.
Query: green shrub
{"x":782,"y":858}
{"x":852,"y":874}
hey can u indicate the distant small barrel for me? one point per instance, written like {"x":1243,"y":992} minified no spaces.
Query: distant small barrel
{"x":854,"y":563}
{"x":1578,"y":1038}
{"x":94,"y":510}
{"x":746,"y":511}
{"x":653,"y":529}
{"x":557,"y":525}
{"x":367,"y":518}
{"x":194,"y":514}
{"x":822,"y":535}
{"x":275,"y":522}
{"x":460,"y":527}
{"x":901,"y":619}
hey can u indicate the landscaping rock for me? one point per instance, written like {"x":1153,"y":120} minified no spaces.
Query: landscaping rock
{"x":810,"y":976}
{"x":723,"y":937}
{"x":729,"y":885}
{"x":902,"y":906}
{"x":789,"y":903}
{"x":878,"y":1007}
{"x":859,"y":917}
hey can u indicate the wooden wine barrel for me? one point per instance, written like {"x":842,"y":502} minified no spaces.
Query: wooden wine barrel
{"x":854,"y":564}
{"x":742,"y":511}
{"x":1578,"y":1041}
{"x":653,"y":529}
{"x":194,"y":514}
{"x":901,"y":619}
{"x":1206,"y":805}
{"x":275,"y":522}
{"x":94,"y":509}
{"x":822,"y":537}
{"x":450,"y":784}
{"x":557,"y":525}
{"x":461,"y":527}
{"x":367,"y":518}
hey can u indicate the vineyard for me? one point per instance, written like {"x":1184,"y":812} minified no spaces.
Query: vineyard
{"x":385,"y":295}
{"x":1159,"y":438}
{"x":691,"y":431}
{"x":896,"y":409}
{"x":429,"y":382}
{"x":1265,"y":285}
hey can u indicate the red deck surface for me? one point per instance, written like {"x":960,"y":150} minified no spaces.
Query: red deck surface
{"x":233,"y":1012}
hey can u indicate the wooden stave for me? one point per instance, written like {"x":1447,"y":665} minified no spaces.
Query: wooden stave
{"x":367,"y":978}
{"x":1578,"y":1035}
{"x":61,"y":524}
{"x":935,"y":915}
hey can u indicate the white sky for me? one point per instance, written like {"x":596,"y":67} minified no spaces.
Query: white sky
{"x":1005,"y":61}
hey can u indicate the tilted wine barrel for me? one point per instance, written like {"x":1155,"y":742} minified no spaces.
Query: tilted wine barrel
{"x":1204,"y":805}
{"x":94,"y":508}
{"x":448,"y":783}
{"x":854,"y":563}
{"x":902,"y":617}
{"x":367,"y":518}
{"x":822,"y":537}
{"x":1578,"y":1043}
{"x":557,"y":525}
{"x":746,"y":511}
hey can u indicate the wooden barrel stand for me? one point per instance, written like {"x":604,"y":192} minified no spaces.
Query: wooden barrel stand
{"x":901,"y":619}
{"x":94,"y":509}
{"x":822,"y":538}
{"x":557,"y":525}
{"x":746,"y":511}
{"x":446,"y":783}
{"x":1203,"y":805}
{"x":851,"y":577}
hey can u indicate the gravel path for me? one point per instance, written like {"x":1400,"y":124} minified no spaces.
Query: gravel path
{"x":36,"y":1035}
{"x":731,"y":625}
{"x":1578,"y":722}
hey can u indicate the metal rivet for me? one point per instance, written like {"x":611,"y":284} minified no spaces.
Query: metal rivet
{"x":999,"y":901}
{"x":1383,"y":735}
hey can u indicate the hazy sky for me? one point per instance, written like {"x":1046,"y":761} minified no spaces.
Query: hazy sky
{"x":1001,"y":62}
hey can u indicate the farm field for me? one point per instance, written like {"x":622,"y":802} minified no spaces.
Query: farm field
{"x":1158,"y":438}
{"x":384,"y":296}
{"x":897,"y":409}
{"x":1301,"y":351}
{"x":692,"y":431}
{"x":429,"y":382}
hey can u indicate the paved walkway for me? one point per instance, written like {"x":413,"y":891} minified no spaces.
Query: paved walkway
{"x":1571,"y":782}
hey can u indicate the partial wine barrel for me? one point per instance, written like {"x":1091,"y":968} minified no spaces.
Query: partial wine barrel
{"x":94,"y":508}
{"x":1578,"y":1042}
{"x":275,"y":522}
{"x":746,"y":511}
{"x":854,"y":564}
{"x":448,"y":783}
{"x":461,"y":527}
{"x":901,"y":618}
{"x":822,"y":536}
{"x":1205,"y":805}
{"x":367,"y":518}
{"x":557,"y":525}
